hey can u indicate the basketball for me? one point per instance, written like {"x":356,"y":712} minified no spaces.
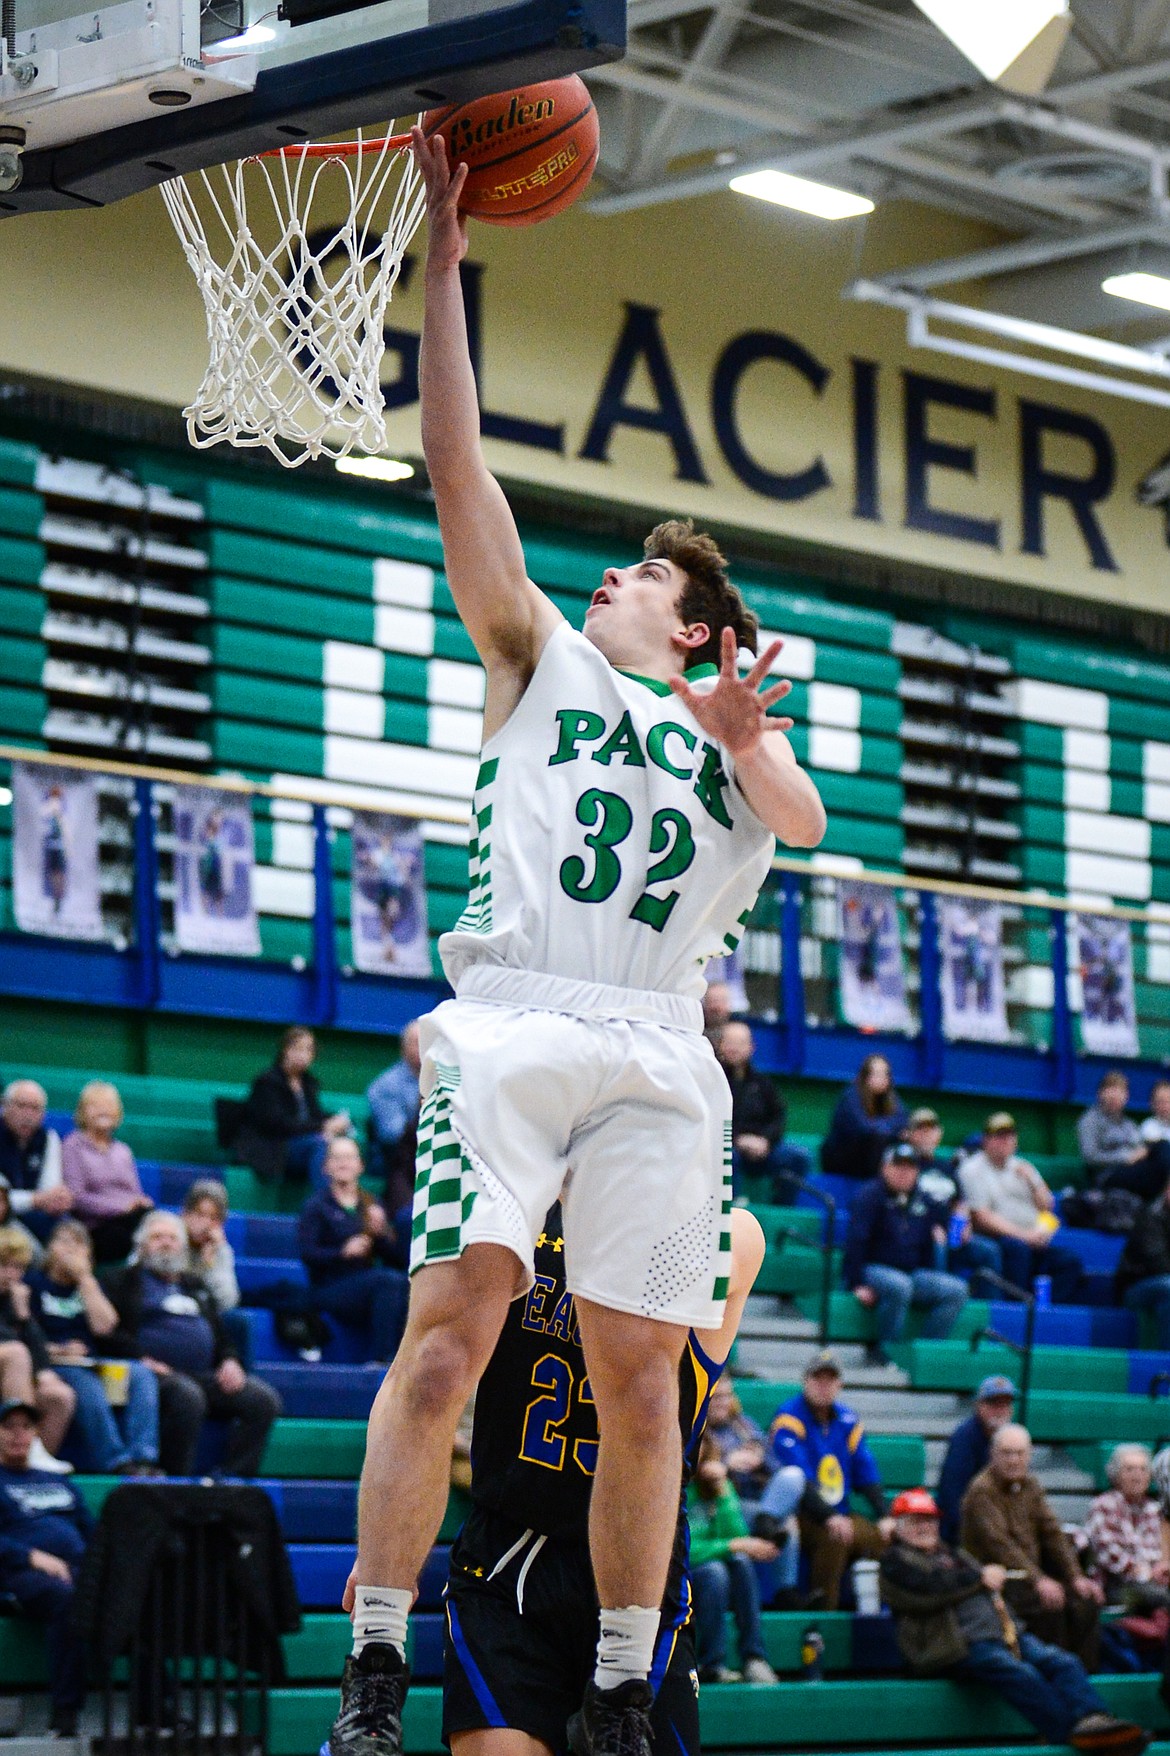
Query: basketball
{"x":529,"y":153}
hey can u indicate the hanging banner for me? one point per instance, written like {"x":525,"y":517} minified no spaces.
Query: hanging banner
{"x":215,"y":908}
{"x":388,"y":897}
{"x":974,"y":1004}
{"x":1109,"y":1011}
{"x":55,"y":884}
{"x":729,"y":970}
{"x":872,"y":980}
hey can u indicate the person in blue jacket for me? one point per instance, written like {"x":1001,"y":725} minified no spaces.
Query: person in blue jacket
{"x":354,"y":1257}
{"x":869,"y":1117}
{"x":45,"y":1528}
{"x":970,"y":1448}
{"x":819,"y":1437}
{"x":895,"y":1243}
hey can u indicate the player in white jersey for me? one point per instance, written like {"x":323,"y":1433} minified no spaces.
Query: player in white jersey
{"x":624,"y":819}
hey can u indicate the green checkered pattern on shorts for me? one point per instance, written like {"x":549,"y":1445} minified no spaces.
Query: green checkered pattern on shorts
{"x":444,"y":1187}
{"x":723,"y":1266}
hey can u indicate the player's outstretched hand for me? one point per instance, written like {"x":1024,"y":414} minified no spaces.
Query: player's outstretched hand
{"x":735,"y":712}
{"x":446,"y":225}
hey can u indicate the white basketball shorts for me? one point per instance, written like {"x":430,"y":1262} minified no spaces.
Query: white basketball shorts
{"x":536,"y":1087}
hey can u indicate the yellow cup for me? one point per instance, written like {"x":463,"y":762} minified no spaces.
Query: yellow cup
{"x":115,"y":1377}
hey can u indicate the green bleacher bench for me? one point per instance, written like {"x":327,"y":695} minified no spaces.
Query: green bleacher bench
{"x":849,"y":1321}
{"x":952,"y":1365}
{"x":901,"y":1457}
{"x":855,"y":1713}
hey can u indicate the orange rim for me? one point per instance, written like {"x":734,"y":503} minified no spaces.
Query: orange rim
{"x":338,"y":149}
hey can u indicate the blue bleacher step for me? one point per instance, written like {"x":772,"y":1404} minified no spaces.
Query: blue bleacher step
{"x":342,"y":1392}
{"x":321,"y":1570}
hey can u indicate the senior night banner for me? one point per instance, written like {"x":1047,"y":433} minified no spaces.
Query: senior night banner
{"x":215,"y":908}
{"x":55,"y":880}
{"x":871,"y":976}
{"x":388,"y":897}
{"x":1108,"y":1010}
{"x":974,"y":1004}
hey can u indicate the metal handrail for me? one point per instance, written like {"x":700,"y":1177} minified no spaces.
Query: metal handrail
{"x":1022,"y":1349}
{"x":336,"y":793}
{"x":828,"y":1205}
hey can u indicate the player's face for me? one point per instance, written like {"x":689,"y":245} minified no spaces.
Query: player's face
{"x":634,"y":617}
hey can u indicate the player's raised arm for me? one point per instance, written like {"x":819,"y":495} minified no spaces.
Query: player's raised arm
{"x":507,"y":617}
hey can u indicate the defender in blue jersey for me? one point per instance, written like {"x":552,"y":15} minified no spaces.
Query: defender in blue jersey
{"x":521,"y":1604}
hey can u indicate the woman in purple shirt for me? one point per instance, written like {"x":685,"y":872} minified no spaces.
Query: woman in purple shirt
{"x":101,"y":1175}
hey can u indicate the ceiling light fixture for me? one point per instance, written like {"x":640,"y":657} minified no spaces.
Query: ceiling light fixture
{"x":255,"y":37}
{"x":1143,"y":289}
{"x":819,"y":199}
{"x":375,"y":469}
{"x":1016,"y":43}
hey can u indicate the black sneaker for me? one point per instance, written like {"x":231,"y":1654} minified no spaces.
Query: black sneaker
{"x":373,"y":1689}
{"x":613,"y":1722}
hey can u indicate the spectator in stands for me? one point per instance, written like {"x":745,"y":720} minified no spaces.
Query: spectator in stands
{"x":1115,"y":1155}
{"x":168,"y":1319}
{"x":895,"y":1239}
{"x":742,"y":1446}
{"x":285,"y":1130}
{"x":30,"y":1158}
{"x":1142,"y":1280}
{"x":821,"y":1438}
{"x":45,"y":1528}
{"x":1156,"y":1126}
{"x":951,"y":1619}
{"x":1006,"y":1517}
{"x":354,"y":1256}
{"x":716,"y":1009}
{"x":394,"y":1104}
{"x":722,"y":1575}
{"x":869,"y":1117}
{"x":77,"y":1320}
{"x":26,"y":1370}
{"x":101,"y":1174}
{"x":969,"y":1448}
{"x":209,"y":1255}
{"x":1011,"y":1204}
{"x":1125,"y":1531}
{"x":758,"y":1117}
{"x":938,"y":1178}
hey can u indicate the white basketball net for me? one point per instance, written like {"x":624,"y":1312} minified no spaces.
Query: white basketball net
{"x":295,"y":326}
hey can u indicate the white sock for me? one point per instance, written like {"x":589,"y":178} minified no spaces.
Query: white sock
{"x":379,"y":1615}
{"x":626,"y":1647}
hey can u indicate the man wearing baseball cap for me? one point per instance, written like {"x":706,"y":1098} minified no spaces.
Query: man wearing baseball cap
{"x":951,"y":1620}
{"x":1011,"y":1203}
{"x":970,"y":1448}
{"x":45,"y":1527}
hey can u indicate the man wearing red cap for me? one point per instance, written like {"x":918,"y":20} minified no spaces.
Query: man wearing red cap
{"x":951,"y":1620}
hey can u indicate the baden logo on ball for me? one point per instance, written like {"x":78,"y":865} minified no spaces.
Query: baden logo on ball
{"x":529,"y":153}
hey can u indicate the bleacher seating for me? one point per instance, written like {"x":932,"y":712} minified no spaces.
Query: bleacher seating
{"x":1090,"y":1387}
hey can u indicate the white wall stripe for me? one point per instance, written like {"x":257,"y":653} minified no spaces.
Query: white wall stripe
{"x":1156,"y":801}
{"x":283,"y":893}
{"x":798,"y":657}
{"x":1054,"y":704}
{"x":1155,"y":761}
{"x":830,"y":747}
{"x":354,"y":713}
{"x":1125,"y":880}
{"x":1086,"y":790}
{"x":454,"y":728}
{"x":451,"y":684}
{"x":1095,"y":832}
{"x":292,"y":846}
{"x":405,"y":583}
{"x":406,"y":767}
{"x":834,"y":704}
{"x":347,"y":666}
{"x":410,"y":631}
{"x":1086,"y":750}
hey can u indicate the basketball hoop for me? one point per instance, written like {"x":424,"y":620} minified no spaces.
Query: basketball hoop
{"x":295,"y":325}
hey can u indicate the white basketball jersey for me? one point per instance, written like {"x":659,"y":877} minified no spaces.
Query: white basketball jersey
{"x":609,"y":841}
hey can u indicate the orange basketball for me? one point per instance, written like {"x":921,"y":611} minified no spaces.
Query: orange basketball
{"x":529,"y":153}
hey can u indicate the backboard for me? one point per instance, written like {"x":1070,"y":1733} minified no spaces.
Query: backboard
{"x":98,"y":104}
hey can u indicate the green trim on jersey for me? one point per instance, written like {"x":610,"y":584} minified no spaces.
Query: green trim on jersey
{"x":444,"y":1187}
{"x":477,"y":916}
{"x":723,"y":1274}
{"x":693,"y":675}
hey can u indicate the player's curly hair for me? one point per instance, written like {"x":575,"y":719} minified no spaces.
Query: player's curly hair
{"x":708,"y":595}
